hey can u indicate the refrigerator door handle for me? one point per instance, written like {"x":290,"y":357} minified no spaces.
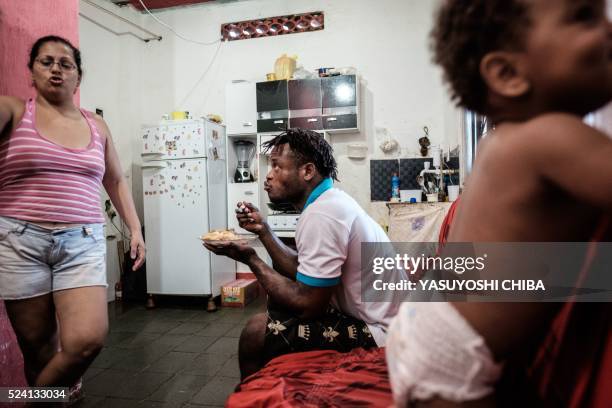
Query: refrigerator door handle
{"x":161,"y":165}
{"x":151,"y":155}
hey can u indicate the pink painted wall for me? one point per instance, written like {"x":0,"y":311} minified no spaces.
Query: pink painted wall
{"x":21,"y":23}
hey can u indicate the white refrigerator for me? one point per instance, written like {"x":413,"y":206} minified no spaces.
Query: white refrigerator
{"x":184,"y":187}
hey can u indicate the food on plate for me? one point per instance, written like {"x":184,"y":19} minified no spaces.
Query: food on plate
{"x":220,"y":235}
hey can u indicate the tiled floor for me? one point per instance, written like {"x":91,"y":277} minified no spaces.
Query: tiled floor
{"x":177,"y":355}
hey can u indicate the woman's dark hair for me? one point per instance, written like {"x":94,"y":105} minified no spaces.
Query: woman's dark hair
{"x":308,"y":147}
{"x":464,"y":32}
{"x":54,"y":38}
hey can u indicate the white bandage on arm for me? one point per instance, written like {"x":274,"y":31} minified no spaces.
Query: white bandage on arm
{"x":432,"y":351}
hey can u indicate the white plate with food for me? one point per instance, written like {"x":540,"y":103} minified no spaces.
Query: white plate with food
{"x":220,"y":237}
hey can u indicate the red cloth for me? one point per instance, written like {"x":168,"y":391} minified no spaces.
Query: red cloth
{"x":573,"y":366}
{"x":318,"y":379}
{"x":446,"y":223}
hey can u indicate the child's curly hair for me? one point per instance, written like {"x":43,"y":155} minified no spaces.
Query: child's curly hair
{"x":464,"y":32}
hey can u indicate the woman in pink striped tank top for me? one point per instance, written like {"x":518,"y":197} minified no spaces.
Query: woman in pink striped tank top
{"x":54,"y":157}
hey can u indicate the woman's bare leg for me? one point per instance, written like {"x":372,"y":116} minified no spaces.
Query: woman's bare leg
{"x":35,"y":327}
{"x":83,"y":325}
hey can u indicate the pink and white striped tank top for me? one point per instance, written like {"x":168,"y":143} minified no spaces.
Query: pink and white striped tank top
{"x":45,"y":182}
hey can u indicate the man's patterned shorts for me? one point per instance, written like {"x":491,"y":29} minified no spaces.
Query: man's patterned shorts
{"x":334,"y":330}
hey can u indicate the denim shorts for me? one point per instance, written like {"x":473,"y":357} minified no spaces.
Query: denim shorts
{"x":35,"y":261}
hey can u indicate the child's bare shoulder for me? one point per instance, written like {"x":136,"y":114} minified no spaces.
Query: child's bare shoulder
{"x":552,"y":133}
{"x":549,"y":124}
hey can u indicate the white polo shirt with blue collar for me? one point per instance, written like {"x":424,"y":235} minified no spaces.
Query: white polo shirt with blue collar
{"x":328,"y":236}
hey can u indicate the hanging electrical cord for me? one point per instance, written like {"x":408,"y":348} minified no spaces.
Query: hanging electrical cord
{"x":215,"y":74}
{"x":173,"y":31}
{"x":212,"y":61}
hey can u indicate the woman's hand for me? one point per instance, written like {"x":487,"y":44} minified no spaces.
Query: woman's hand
{"x":137,"y":249}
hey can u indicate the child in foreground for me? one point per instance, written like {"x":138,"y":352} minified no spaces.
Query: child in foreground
{"x":535,"y":68}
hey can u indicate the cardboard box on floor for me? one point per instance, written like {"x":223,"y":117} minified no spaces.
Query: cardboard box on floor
{"x":239,"y":293}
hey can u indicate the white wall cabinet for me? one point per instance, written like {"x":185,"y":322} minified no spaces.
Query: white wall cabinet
{"x":240,"y":192}
{"x":241,"y":108}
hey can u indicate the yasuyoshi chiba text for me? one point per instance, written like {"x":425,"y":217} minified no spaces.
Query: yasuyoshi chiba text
{"x":470,"y":285}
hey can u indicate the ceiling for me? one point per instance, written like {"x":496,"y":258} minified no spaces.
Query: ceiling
{"x":158,"y":4}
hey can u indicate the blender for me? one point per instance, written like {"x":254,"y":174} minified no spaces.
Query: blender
{"x":245,"y":151}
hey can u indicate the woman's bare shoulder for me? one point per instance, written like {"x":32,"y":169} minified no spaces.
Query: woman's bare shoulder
{"x":11,"y":112}
{"x":101,"y":125}
{"x":14,"y":104}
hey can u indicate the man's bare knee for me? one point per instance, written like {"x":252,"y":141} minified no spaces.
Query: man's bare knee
{"x":252,"y":336}
{"x":250,"y":347}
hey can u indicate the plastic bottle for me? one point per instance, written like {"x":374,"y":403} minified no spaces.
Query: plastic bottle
{"x":118,"y":291}
{"x":395,"y":187}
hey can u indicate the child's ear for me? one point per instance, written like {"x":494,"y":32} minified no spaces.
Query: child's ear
{"x":502,"y":72}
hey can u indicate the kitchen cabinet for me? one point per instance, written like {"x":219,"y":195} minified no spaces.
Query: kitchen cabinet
{"x":328,"y":103}
{"x":240,"y":108}
{"x":305,"y":104}
{"x":340,"y":98}
{"x":272,"y":106}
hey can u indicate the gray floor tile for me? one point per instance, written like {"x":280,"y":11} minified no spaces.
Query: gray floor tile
{"x":206,"y":364}
{"x":160,"y":326}
{"x":232,"y":312}
{"x":121,"y":384}
{"x":115,"y":338}
{"x":105,"y":383}
{"x":230,"y":369}
{"x":188,"y":328}
{"x":236,"y":331}
{"x":138,"y":315}
{"x":92,"y":372}
{"x":193,"y":405}
{"x":139,"y":359}
{"x":155,"y":404}
{"x":205,"y":317}
{"x":108,"y":357}
{"x":89,"y":401}
{"x":215,"y":329}
{"x":138,"y":340}
{"x":113,"y":403}
{"x":118,"y":309}
{"x":215,"y":392}
{"x":127,"y":326}
{"x":224,"y":345}
{"x":202,"y":406}
{"x":151,"y":359}
{"x":180,"y":388}
{"x":177,"y":315}
{"x":195,"y":344}
{"x":129,"y":403}
{"x":171,"y":362}
{"x":172,"y":340}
